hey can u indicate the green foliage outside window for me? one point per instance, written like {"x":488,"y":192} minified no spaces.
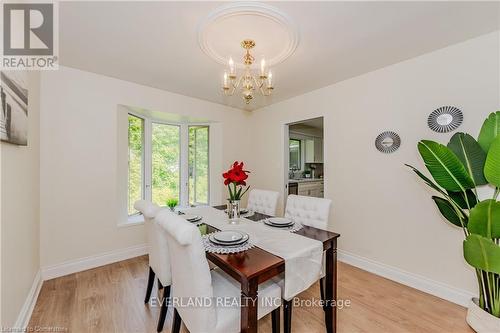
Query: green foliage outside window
{"x":198,"y":165}
{"x":135,"y":167}
{"x":165,"y":176}
{"x":294,"y":154}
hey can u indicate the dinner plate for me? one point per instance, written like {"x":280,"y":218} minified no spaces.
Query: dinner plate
{"x":280,"y":221}
{"x":228,"y":236}
{"x":243,"y":240}
{"x":191,"y":217}
{"x":266,"y":222}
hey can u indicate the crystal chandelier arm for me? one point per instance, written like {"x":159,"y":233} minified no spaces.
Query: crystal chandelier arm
{"x":233,"y":85}
{"x":237,"y":84}
{"x":258,"y":83}
{"x":265,"y":91}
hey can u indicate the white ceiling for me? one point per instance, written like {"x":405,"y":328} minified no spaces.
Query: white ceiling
{"x":155,"y":43}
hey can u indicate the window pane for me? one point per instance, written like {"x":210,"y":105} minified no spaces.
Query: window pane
{"x":165,"y":163}
{"x":135,"y":161}
{"x":198,"y":165}
{"x":295,"y":154}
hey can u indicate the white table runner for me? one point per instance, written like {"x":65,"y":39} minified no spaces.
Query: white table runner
{"x":302,"y":255}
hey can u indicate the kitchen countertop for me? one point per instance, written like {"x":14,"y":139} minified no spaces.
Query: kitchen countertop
{"x":305,"y":180}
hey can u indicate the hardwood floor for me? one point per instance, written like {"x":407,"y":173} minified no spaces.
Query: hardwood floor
{"x":110,"y":299}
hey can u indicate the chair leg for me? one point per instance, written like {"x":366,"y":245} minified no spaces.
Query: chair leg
{"x":164,"y":308}
{"x":322,"y":291}
{"x":287,"y":316}
{"x":275,"y":315}
{"x":151,"y":281}
{"x":176,"y":325}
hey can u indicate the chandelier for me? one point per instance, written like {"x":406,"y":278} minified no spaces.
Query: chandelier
{"x":248,"y":82}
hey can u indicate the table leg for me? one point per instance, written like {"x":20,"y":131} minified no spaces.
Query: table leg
{"x":249,"y":306}
{"x":287,"y":315}
{"x":331,"y":288}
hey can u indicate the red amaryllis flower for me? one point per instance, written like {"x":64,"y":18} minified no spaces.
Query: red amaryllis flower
{"x":236,"y":176}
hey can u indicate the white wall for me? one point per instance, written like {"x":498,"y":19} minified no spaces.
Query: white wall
{"x":19,"y":207}
{"x":382,"y":211}
{"x":78,"y":164}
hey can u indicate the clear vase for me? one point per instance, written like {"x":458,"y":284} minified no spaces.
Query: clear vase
{"x":233,"y":209}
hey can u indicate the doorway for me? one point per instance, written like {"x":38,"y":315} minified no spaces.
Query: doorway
{"x":304,"y":158}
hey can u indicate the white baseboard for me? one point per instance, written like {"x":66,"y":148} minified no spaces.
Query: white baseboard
{"x":29,"y":304}
{"x":441,"y":290}
{"x":78,"y":265}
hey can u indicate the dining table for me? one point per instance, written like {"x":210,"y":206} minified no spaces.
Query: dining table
{"x":256,"y":265}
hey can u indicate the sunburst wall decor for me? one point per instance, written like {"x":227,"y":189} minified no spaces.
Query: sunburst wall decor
{"x":388,"y":142}
{"x":445,"y":119}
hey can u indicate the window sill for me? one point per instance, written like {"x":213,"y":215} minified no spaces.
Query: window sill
{"x":132,"y":221}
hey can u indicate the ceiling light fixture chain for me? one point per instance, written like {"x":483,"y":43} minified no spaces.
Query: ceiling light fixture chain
{"x":248,"y":81}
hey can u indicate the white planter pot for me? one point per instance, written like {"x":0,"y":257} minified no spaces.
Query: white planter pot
{"x":480,"y":320}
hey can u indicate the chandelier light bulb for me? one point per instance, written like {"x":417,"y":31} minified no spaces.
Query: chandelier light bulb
{"x":270,"y":79}
{"x":231,"y":65}
{"x":225,"y":80}
{"x":263,"y":67}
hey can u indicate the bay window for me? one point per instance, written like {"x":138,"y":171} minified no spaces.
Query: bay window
{"x":167,"y":161}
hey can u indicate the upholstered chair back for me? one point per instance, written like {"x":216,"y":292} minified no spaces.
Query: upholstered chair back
{"x":191,"y":279}
{"x":309,"y":211}
{"x":262,"y":201}
{"x":159,"y":259}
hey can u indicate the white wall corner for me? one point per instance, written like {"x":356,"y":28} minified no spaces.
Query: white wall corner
{"x":24,"y":316}
{"x":82,"y":264}
{"x":438,"y":289}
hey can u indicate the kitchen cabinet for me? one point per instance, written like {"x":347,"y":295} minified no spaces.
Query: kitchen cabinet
{"x":314,"y":150}
{"x":318,"y":150}
{"x":311,"y":189}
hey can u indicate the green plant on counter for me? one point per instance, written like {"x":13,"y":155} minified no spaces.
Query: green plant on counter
{"x":172,"y":203}
{"x":458,"y":169}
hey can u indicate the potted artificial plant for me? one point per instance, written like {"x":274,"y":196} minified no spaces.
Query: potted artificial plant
{"x":172,"y":203}
{"x":458,"y":170}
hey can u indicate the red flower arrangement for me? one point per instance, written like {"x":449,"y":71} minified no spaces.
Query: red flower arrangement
{"x":235,"y":179}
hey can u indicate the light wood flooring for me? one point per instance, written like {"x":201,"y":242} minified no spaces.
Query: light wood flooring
{"x":110,"y":299}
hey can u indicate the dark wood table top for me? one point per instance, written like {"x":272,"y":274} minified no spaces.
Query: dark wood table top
{"x":257,"y":262}
{"x":306,"y":231}
{"x":246,"y":264}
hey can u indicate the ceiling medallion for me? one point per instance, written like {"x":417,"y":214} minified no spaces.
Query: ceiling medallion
{"x":248,"y":82}
{"x":222,"y":29}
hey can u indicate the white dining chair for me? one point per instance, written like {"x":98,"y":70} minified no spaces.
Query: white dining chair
{"x":194,"y":282}
{"x":309,"y":211}
{"x":159,"y":260}
{"x":263,"y":201}
{"x":314,"y":212}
